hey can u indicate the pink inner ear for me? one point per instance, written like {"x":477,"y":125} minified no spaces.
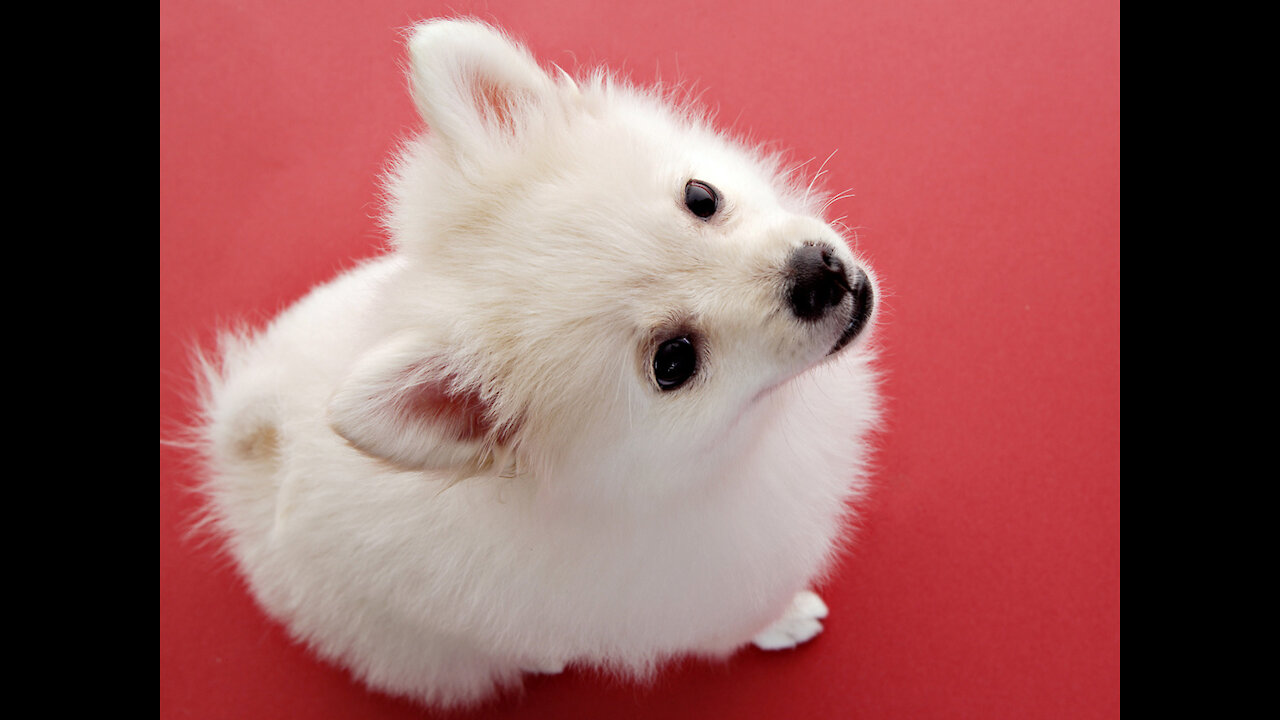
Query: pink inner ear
{"x":460,"y":415}
{"x":495,"y":102}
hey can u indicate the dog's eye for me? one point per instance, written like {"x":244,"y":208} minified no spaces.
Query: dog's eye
{"x":675,"y":362}
{"x":701,"y":199}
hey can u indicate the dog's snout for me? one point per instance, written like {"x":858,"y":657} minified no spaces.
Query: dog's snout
{"x":863,"y":301}
{"x":818,"y":280}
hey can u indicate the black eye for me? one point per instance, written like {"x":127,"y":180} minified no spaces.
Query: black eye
{"x":674,"y":363}
{"x":701,"y":199}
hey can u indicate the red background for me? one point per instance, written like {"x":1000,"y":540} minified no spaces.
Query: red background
{"x":982,"y":141}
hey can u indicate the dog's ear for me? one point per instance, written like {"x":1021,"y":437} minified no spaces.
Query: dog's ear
{"x":474,"y":86}
{"x":402,"y":406}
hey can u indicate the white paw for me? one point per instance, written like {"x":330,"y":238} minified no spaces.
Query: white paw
{"x":798,"y":624}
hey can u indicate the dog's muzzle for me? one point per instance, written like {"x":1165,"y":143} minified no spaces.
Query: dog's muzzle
{"x":819,"y":283}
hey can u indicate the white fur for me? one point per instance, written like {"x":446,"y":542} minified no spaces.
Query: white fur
{"x":541,"y":249}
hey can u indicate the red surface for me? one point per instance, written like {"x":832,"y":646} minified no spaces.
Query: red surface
{"x":982,"y":141}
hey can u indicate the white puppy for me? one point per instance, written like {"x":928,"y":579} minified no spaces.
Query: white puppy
{"x":604,"y":402}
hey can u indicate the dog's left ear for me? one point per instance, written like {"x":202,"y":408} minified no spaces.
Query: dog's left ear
{"x":474,"y":87}
{"x":401,"y":404}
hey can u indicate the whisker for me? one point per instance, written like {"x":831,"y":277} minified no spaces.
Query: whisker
{"x":821,"y":171}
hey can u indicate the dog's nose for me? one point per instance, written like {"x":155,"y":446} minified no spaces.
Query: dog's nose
{"x":818,"y":280}
{"x":863,"y":299}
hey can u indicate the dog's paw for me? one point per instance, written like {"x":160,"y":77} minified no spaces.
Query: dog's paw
{"x":797,"y":625}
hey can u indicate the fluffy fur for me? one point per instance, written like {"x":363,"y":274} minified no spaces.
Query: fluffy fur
{"x":452,"y":465}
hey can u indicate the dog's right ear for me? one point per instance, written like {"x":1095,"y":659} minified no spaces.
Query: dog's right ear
{"x":474,"y":87}
{"x":401,"y":405}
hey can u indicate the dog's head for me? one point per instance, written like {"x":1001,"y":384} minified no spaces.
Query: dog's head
{"x":589,"y":278}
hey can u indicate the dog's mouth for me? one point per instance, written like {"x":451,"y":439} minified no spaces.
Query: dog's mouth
{"x":859,"y":313}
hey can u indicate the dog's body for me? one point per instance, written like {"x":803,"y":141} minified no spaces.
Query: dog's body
{"x":596,"y":406}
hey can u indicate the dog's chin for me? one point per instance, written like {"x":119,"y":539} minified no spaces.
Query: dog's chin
{"x":854,"y":327}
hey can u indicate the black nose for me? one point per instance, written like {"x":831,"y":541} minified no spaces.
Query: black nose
{"x":818,"y":280}
{"x":863,"y":300}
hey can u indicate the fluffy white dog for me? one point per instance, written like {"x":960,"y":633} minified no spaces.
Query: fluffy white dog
{"x":604,"y":402}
